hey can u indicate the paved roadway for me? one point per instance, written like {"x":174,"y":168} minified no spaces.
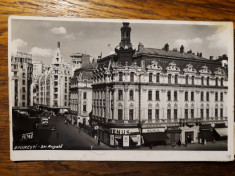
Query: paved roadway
{"x":67,"y":135}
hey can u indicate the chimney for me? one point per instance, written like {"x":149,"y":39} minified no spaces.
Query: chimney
{"x":190,"y":51}
{"x":140,"y":46}
{"x":211,"y":58}
{"x":58,"y":44}
{"x":166,"y":47}
{"x":182,"y":49}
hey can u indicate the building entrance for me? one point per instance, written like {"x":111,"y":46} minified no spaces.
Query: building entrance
{"x":189,"y":136}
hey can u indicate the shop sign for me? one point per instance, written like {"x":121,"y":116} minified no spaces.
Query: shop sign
{"x":124,"y":130}
{"x":111,"y":139}
{"x":126,"y":140}
{"x":153,"y":130}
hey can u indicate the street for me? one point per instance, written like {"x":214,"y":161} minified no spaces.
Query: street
{"x":65,"y":136}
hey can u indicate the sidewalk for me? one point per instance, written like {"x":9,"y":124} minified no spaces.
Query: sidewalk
{"x":89,"y":138}
{"x":217,"y":146}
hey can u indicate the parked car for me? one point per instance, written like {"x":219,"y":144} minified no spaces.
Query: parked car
{"x":53,"y":128}
{"x":44,"y":121}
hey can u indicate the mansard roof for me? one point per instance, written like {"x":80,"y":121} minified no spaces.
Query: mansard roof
{"x":169,"y":53}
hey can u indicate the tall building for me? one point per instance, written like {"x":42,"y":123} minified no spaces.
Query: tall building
{"x":78,"y":60}
{"x":81,"y":90}
{"x":158,"y":95}
{"x":21,"y":79}
{"x":54,"y":84}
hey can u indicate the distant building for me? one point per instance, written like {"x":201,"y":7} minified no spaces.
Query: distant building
{"x":54,"y":84}
{"x":81,"y":91}
{"x":162,"y":96}
{"x":21,"y":79}
{"x":78,"y":60}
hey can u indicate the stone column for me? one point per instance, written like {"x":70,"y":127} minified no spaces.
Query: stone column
{"x":125,"y":102}
{"x":107,"y":103}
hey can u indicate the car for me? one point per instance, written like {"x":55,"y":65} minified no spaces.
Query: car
{"x":53,"y":128}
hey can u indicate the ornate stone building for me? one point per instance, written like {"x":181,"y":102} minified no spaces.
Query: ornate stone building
{"x":21,"y":79}
{"x":54,"y":84}
{"x":158,"y":95}
{"x":81,"y":90}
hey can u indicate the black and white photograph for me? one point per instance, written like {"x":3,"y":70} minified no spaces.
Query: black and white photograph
{"x":131,"y":90}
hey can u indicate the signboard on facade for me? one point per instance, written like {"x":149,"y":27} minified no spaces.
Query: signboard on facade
{"x":124,"y":130}
{"x":153,"y":130}
{"x":111,"y":139}
{"x":126,"y":140}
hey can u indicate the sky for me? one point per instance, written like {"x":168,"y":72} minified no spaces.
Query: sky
{"x":40,"y":37}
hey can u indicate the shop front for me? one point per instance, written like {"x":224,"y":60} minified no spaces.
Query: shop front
{"x":154,"y":136}
{"x":205,"y":133}
{"x":189,"y":134}
{"x":125,"y":137}
{"x":220,"y":132}
{"x":173,"y":133}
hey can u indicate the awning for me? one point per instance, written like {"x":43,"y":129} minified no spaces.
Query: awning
{"x":222,"y":131}
{"x":135,"y":138}
{"x":153,"y":137}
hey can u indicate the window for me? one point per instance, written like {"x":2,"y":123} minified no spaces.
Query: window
{"x":23,"y":82}
{"x":207,"y":113}
{"x":65,"y":78}
{"x":56,"y":89}
{"x":169,"y":78}
{"x":175,"y":113}
{"x":132,"y":77}
{"x":65,"y":104}
{"x":131,"y":114}
{"x":84,"y":95}
{"x":207,"y":96}
{"x":186,"y":79}
{"x":157,"y":95}
{"x":157,"y":114}
{"x":201,"y":112}
{"x":149,"y":95}
{"x":120,"y":94}
{"x":149,"y":114}
{"x":192,"y":96}
{"x":168,"y":114}
{"x":120,"y":76}
{"x":216,"y":113}
{"x":23,"y":97}
{"x":216,"y":82}
{"x":169,"y":95}
{"x":131,"y":95}
{"x":150,"y":77}
{"x":208,"y":81}
{"x":221,"y":112}
{"x":186,"y":96}
{"x":222,"y":82}
{"x":202,"y":96}
{"x":55,"y":77}
{"x":158,"y":78}
{"x":221,"y":96}
{"x":23,"y":89}
{"x":176,"y":79}
{"x":120,"y":114}
{"x":202,"y":80}
{"x":216,"y":96}
{"x":186,"y":113}
{"x":84,"y":108}
{"x":192,"y":113}
{"x":193,"y":80}
{"x":175,"y":95}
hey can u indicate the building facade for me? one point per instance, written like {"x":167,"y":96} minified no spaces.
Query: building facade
{"x":81,"y":91}
{"x":21,"y":79}
{"x":158,"y":95}
{"x":53,"y":84}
